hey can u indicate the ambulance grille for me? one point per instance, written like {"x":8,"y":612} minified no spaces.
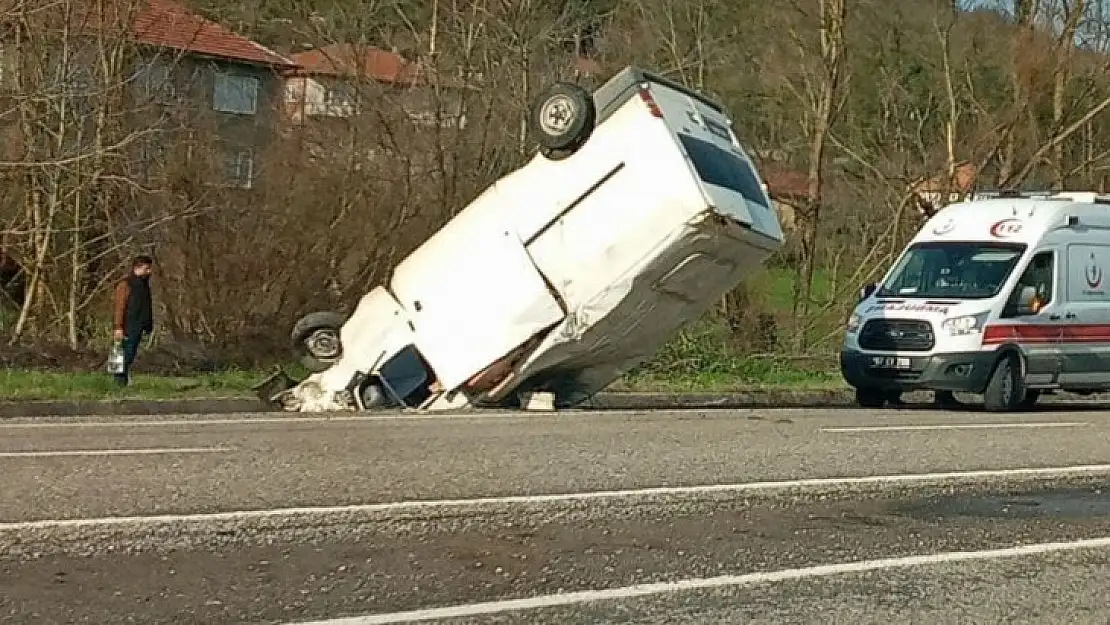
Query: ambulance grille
{"x":894,"y":335}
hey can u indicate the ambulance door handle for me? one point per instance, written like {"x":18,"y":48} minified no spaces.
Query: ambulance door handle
{"x":1070,"y":316}
{"x":1054,"y":316}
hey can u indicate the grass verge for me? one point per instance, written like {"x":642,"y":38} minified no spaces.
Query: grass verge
{"x":17,"y":385}
{"x":737,"y":375}
{"x":716,"y":383}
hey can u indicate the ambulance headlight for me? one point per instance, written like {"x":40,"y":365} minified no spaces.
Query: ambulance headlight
{"x":965,"y":325}
{"x":853,"y":324}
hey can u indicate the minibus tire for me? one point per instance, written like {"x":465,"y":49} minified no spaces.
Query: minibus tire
{"x":1005,"y":389}
{"x":559,"y":143}
{"x":870,"y":398}
{"x":323,"y":322}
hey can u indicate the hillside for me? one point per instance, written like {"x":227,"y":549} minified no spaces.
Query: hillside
{"x":851,"y":101}
{"x":894,"y":119}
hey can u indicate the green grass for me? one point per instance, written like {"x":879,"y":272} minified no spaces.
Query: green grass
{"x":734,"y":375}
{"x":737,"y":375}
{"x":30,"y":385}
{"x":711,"y":383}
{"x":778,"y":285}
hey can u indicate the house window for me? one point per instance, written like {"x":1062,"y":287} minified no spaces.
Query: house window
{"x":155,"y":80}
{"x":339,"y":94}
{"x":235,"y":93}
{"x":150,"y":159}
{"x":240,"y":169}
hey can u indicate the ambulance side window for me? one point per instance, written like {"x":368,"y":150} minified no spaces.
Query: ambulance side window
{"x":1040,"y":275}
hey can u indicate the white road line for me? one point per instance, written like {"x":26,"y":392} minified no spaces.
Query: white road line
{"x":664,"y":491}
{"x":955,"y":426}
{"x":750,"y":579}
{"x":113,"y":452}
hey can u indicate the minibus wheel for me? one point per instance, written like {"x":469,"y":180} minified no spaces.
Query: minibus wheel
{"x":1005,"y":390}
{"x":316,"y":339}
{"x":562,"y":118}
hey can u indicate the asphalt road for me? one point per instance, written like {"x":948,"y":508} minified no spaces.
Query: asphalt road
{"x":789,"y":516}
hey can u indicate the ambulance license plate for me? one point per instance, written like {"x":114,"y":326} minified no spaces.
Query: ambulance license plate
{"x":890,"y":362}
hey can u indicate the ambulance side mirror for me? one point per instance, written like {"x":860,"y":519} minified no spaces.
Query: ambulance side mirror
{"x":866,"y":291}
{"x":1028,"y":302}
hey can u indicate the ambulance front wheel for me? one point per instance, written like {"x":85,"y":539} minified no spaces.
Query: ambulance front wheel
{"x":1005,"y":391}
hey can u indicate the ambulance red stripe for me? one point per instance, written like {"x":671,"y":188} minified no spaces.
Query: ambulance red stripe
{"x":1046,"y":333}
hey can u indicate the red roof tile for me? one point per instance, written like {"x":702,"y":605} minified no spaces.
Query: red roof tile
{"x":586,"y":66}
{"x":348,"y":59}
{"x":785,"y":184}
{"x":167,"y":24}
{"x":962,"y":180}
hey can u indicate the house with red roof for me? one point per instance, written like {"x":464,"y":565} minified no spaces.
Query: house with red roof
{"x":232,"y":84}
{"x":789,"y":191}
{"x":200,"y":80}
{"x":337,"y":82}
{"x":932,"y":194}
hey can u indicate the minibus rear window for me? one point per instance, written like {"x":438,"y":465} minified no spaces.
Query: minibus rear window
{"x":723,"y":168}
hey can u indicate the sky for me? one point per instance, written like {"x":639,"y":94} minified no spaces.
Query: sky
{"x":1094,"y":33}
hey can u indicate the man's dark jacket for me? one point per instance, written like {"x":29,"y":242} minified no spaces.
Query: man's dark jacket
{"x":134,"y":307}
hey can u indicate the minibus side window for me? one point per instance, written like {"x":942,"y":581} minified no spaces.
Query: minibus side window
{"x":1040,"y":275}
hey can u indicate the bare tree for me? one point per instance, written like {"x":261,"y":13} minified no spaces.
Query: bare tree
{"x":1073,"y":13}
{"x":822,"y":91}
{"x":79,"y":126}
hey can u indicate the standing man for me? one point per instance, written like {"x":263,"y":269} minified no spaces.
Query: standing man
{"x":133,"y":312}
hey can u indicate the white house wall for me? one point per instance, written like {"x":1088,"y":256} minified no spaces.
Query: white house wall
{"x":307,"y":97}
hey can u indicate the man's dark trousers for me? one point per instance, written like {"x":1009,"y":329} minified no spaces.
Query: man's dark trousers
{"x":133,"y":315}
{"x":130,"y":349}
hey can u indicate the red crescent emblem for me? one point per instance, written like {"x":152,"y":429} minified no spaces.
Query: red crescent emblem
{"x":1006,"y":228}
{"x":1093,"y":273}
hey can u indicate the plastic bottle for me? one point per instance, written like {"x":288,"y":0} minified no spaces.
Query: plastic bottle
{"x":115,"y":358}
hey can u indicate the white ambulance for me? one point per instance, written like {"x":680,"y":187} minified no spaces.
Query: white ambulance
{"x":639,"y":211}
{"x":1004,"y":296}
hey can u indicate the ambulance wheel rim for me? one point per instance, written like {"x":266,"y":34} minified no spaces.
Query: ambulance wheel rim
{"x":1008,"y":385}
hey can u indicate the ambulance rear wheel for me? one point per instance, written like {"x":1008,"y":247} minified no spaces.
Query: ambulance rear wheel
{"x":562,"y":119}
{"x":1005,"y":390}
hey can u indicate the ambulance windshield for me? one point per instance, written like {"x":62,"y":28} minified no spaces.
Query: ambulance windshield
{"x":959,"y":270}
